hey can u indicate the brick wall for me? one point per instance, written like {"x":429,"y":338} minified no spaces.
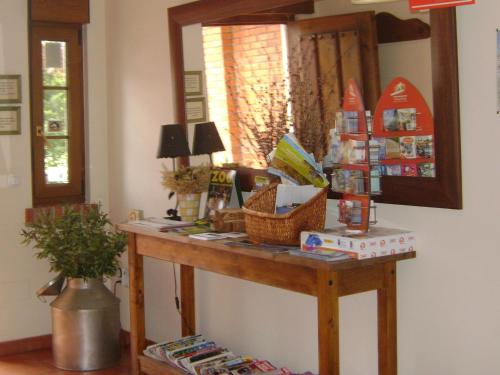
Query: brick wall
{"x":244,"y":64}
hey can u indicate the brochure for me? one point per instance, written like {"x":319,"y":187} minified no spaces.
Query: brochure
{"x":293,"y":163}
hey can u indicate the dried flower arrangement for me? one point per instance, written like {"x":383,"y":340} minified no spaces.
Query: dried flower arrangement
{"x":186,"y":180}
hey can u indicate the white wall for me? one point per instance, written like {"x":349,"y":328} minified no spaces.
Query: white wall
{"x":21,"y":274}
{"x":21,"y":314}
{"x":448,"y":302}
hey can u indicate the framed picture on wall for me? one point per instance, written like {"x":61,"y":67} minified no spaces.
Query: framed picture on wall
{"x":193,"y":83}
{"x":10,"y":120}
{"x":196,"y":110}
{"x":10,"y":88}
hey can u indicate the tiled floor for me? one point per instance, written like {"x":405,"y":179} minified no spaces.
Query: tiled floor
{"x":40,"y":363}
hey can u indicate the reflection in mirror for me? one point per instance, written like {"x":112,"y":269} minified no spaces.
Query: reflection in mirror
{"x":245,"y":72}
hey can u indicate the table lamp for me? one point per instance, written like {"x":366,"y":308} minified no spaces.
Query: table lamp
{"x":173,"y":143}
{"x":207,"y":140}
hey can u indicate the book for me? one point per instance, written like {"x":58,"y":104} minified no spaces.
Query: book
{"x":223,"y":191}
{"x":408,"y":147}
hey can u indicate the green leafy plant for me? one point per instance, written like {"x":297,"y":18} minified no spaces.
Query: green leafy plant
{"x":77,"y":244}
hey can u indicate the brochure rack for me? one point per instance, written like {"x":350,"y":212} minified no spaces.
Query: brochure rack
{"x":355,"y":156}
{"x":403,"y":129}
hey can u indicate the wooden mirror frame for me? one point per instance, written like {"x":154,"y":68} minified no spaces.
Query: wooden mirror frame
{"x":444,"y":191}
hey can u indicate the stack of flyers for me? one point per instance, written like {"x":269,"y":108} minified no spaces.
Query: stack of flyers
{"x":426,"y":170}
{"x":402,"y":119}
{"x":408,"y":147}
{"x":377,"y":149}
{"x":350,"y":211}
{"x":375,"y":181}
{"x":351,"y":122}
{"x":392,"y":148}
{"x":424,"y":146}
{"x":292,"y":163}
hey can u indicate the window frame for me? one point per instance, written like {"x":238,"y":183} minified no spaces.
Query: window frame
{"x":73,"y":191}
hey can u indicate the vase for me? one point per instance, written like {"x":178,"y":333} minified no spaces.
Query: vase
{"x":189,"y":206}
{"x":86,"y":326}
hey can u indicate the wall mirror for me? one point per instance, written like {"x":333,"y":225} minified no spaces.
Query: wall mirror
{"x":435,"y":57}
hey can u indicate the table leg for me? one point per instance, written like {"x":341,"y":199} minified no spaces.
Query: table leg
{"x":328,"y":322}
{"x":387,"y":322}
{"x":188,"y":301}
{"x":136,"y":301}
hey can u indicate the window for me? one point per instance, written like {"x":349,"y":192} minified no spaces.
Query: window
{"x":247,"y":85}
{"x":57,"y":114}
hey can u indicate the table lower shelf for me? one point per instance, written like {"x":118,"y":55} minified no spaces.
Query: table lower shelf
{"x":151,"y":366}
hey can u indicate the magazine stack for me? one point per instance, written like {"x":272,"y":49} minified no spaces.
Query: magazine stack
{"x":197,"y":355}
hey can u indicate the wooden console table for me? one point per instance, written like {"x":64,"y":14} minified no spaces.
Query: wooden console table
{"x":326,"y":281}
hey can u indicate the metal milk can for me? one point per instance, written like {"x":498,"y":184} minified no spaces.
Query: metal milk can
{"x":85,"y":326}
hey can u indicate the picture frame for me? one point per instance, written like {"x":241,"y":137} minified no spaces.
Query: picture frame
{"x":196,"y":110}
{"x":10,"y":89}
{"x":10,"y":120}
{"x":193,"y":83}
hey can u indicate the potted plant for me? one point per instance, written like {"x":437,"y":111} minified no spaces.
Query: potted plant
{"x":188,"y":183}
{"x":85,"y":317}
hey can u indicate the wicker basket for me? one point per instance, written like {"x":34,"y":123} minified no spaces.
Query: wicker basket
{"x":263,"y":225}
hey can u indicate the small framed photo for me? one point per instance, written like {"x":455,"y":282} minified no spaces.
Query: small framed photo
{"x":196,"y":110}
{"x":193,"y":83}
{"x":10,"y":88}
{"x":10,"y":120}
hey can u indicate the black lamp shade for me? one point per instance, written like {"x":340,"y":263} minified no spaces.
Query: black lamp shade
{"x":206,"y":139}
{"x":173,"y":142}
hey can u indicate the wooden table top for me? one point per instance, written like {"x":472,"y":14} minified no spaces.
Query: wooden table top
{"x":262,"y":253}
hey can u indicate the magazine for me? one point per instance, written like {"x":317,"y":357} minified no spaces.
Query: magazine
{"x":197,"y":356}
{"x":223,"y":191}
